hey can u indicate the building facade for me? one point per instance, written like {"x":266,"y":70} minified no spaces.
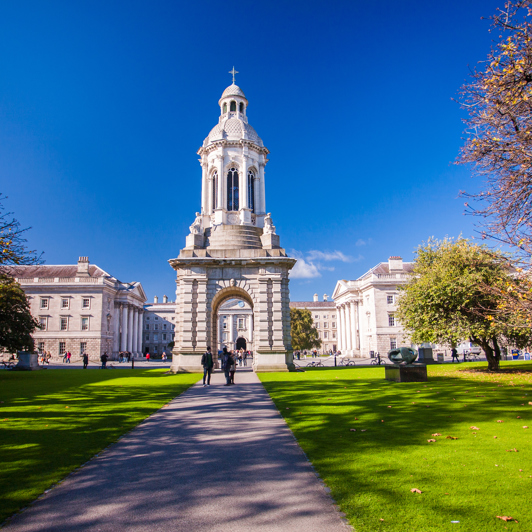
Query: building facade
{"x":82,"y":309}
{"x":158,"y":327}
{"x":235,"y":325}
{"x":324,"y":318}
{"x":366,"y":309}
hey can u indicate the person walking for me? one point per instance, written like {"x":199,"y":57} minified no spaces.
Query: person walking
{"x":68,"y":355}
{"x":208,"y":363}
{"x":64,"y":357}
{"x":454,"y":354}
{"x":147,"y":357}
{"x":226,"y":365}
{"x":245,"y":357}
{"x":104,"y":358}
{"x":232,"y":368}
{"x":85,"y":360}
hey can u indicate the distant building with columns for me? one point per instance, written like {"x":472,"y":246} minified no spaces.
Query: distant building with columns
{"x":366,"y":309}
{"x":82,"y":309}
{"x":159,"y":327}
{"x":324,"y":318}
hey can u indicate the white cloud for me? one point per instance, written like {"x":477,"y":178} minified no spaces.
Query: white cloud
{"x":360,"y":242}
{"x":314,"y":255}
{"x":304,"y":270}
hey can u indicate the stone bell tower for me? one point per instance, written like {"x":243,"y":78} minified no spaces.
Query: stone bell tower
{"x":232,"y":250}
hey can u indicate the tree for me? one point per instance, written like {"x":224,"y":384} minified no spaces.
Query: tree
{"x":304,"y":334}
{"x":12,"y":242}
{"x":16,"y":321}
{"x":448,"y":300}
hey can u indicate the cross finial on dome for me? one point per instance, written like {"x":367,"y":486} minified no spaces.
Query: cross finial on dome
{"x":233,"y":72}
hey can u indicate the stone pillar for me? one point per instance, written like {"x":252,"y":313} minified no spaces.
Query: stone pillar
{"x":135,"y":331}
{"x":139,"y":329}
{"x":203,"y":330}
{"x":262,"y":204}
{"x":257,"y":193}
{"x":243,"y":184}
{"x":204,"y":189}
{"x":130,"y":331}
{"x":232,"y":331}
{"x":221,"y":181}
{"x":116,"y":329}
{"x":344,"y":332}
{"x":250,"y":328}
{"x":123,"y":343}
{"x":349,"y":329}
{"x":354,"y":325}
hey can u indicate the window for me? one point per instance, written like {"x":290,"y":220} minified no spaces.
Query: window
{"x":225,"y":325}
{"x":225,"y":108}
{"x":65,"y":302}
{"x":155,"y":349}
{"x":164,"y":326}
{"x":316,"y":316}
{"x":86,"y":303}
{"x":148,"y":318}
{"x":334,"y":335}
{"x":64,"y":324}
{"x":391,"y":320}
{"x":333,"y":325}
{"x":325,"y":334}
{"x":241,"y":107}
{"x":389,"y":300}
{"x":393,"y":343}
{"x":82,"y":347}
{"x":173,"y":326}
{"x":155,"y":337}
{"x":45,"y":303}
{"x":62,"y":348}
{"x":325,"y":316}
{"x":40,"y":347}
{"x":84,"y":323}
{"x":232,"y":189}
{"x":173,"y":319}
{"x":333,"y":317}
{"x":156,"y":318}
{"x":147,"y":326}
{"x":241,"y":323}
{"x":43,"y":321}
{"x":251,"y":191}
{"x":215,"y":189}
{"x":232,"y":107}
{"x":147,"y":338}
{"x":325,"y":325}
{"x":164,"y":336}
{"x":317,"y":325}
{"x":225,"y":337}
{"x":155,"y":327}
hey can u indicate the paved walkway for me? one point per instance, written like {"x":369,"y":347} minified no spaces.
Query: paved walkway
{"x":216,"y":459}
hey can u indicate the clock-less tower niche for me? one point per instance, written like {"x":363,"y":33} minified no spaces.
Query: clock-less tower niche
{"x":232,"y":250}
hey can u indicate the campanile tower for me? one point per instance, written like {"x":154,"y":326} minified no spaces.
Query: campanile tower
{"x":232,"y":251}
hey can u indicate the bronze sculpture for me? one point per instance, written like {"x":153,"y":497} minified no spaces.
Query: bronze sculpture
{"x":402,"y":355}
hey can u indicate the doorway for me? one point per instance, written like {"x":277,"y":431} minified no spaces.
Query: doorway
{"x":241,"y":344}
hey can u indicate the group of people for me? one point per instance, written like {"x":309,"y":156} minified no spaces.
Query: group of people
{"x":44,"y":357}
{"x":124,"y":356}
{"x":229,"y":361}
{"x":314,"y":353}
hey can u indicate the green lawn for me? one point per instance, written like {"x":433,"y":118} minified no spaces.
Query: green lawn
{"x":371,"y":471}
{"x":55,"y":420}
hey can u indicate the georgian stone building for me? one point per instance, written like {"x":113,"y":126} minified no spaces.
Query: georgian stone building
{"x":324,"y":318}
{"x":235,"y":325}
{"x":158,"y":327}
{"x":366,"y":309}
{"x":82,"y":309}
{"x":232,"y":251}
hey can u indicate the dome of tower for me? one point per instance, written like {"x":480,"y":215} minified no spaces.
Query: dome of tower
{"x":233,"y":129}
{"x":233,"y":90}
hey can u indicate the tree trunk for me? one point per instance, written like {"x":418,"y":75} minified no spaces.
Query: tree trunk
{"x":493,"y":356}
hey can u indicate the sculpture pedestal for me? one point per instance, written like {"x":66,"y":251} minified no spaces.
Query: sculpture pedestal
{"x":410,"y":373}
{"x":27,"y":362}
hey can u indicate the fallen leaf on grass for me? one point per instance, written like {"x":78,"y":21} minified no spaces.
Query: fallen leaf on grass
{"x":288,"y":408}
{"x":452,"y":437}
{"x":494,"y":437}
{"x":382,"y":420}
{"x":431,"y":440}
{"x":353,"y":430}
{"x":389,"y":407}
{"x":415,"y":490}
{"x":514,"y":450}
{"x":530,"y":402}
{"x":474,"y":428}
{"x":525,"y":427}
{"x":436,"y":434}
{"x":506,"y":518}
{"x":363,"y":430}
{"x":381,"y":519}
{"x":518,"y":417}
{"x":500,"y":421}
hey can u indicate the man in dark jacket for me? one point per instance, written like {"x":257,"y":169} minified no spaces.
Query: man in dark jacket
{"x":85,"y":360}
{"x":227,"y":361}
{"x":207,"y":363}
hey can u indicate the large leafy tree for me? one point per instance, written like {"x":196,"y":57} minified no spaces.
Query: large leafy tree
{"x":452,"y":296}
{"x":304,"y":334}
{"x":16,"y":321}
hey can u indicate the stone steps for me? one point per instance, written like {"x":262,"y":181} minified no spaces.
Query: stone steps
{"x":233,"y":237}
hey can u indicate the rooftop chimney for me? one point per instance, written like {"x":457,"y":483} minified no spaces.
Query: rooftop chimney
{"x":155,"y":299}
{"x":395,"y":264}
{"x":83,"y":267}
{"x":165,"y":299}
{"x":316,"y":297}
{"x":325,"y":297}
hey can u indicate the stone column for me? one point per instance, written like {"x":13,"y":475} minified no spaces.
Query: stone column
{"x":344,"y":332}
{"x":232,"y":330}
{"x":123,"y":343}
{"x":134,"y":331}
{"x":250,"y":328}
{"x":338,"y":329}
{"x":244,"y":183}
{"x":262,"y":204}
{"x":130,"y":331}
{"x":221,"y":181}
{"x":116,"y":329}
{"x":348,"y":331}
{"x":354,"y":328}
{"x":257,"y":193}
{"x":204,"y":189}
{"x":139,"y":328}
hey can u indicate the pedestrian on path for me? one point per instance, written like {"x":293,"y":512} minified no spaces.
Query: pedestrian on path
{"x":68,"y":357}
{"x":207,"y":363}
{"x":226,"y":365}
{"x":104,"y":358}
{"x":232,"y":369}
{"x":85,"y":360}
{"x":147,"y":357}
{"x":454,"y":354}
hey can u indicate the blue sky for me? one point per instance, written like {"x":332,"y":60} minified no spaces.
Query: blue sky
{"x":103,"y":105}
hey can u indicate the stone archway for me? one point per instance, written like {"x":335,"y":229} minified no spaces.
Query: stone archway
{"x":241,"y":343}
{"x":229,"y":292}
